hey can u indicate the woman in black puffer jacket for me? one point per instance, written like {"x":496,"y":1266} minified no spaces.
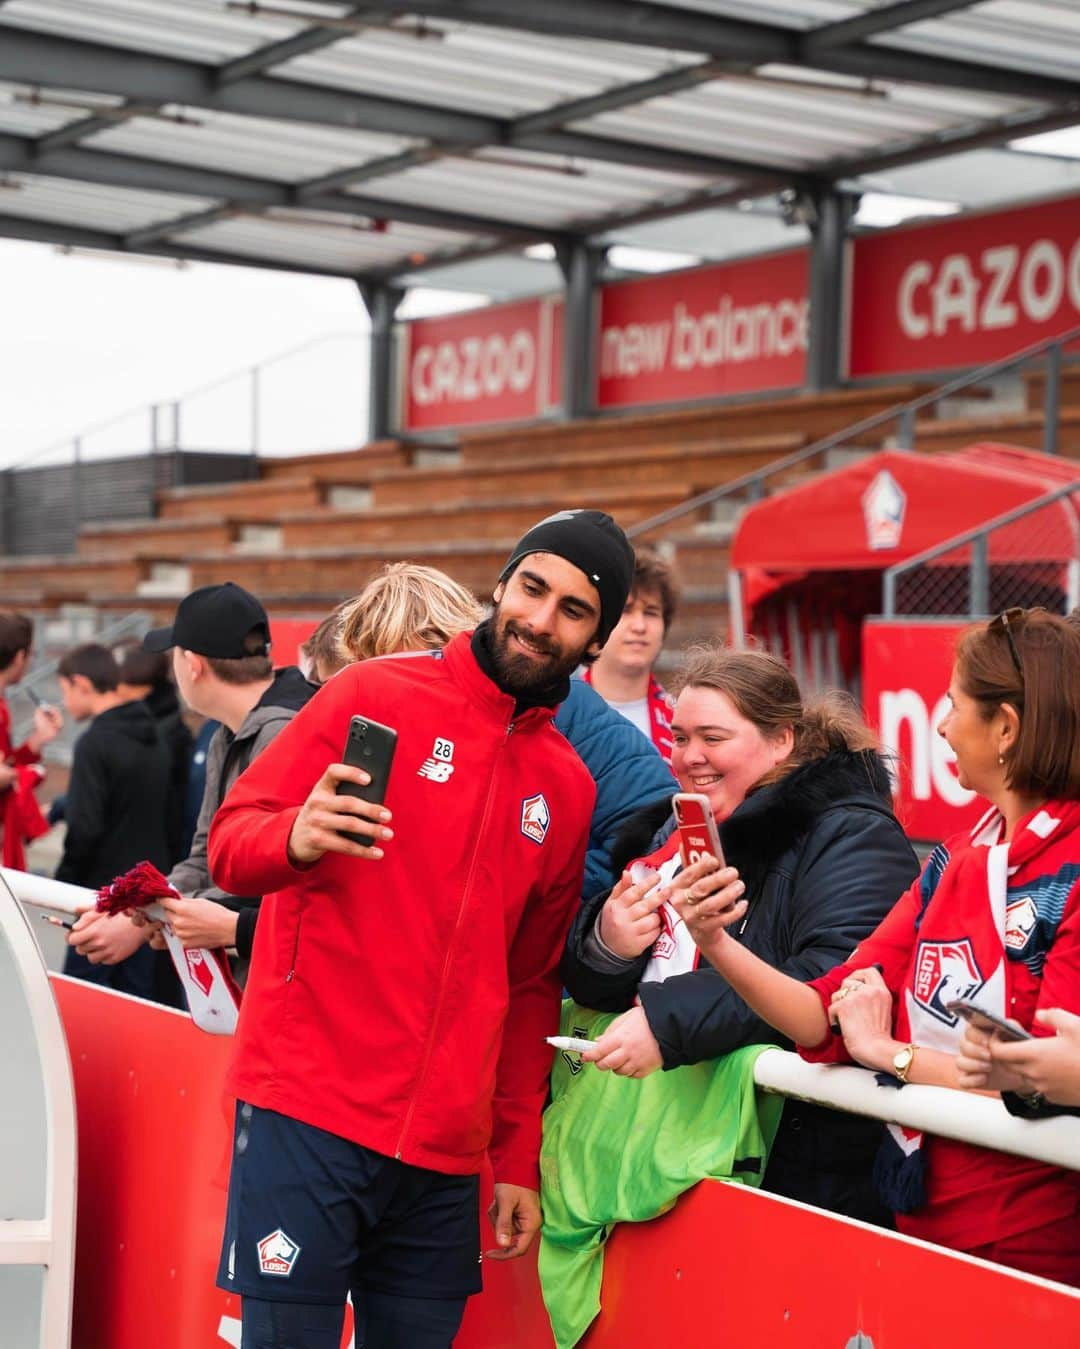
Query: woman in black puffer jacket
{"x":802,"y":800}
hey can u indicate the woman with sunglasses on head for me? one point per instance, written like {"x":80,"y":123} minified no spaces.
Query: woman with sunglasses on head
{"x":994,"y":917}
{"x":801,"y":797}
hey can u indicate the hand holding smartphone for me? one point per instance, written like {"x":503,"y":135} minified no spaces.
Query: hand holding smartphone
{"x":369,"y":745}
{"x":698,"y":835}
{"x":1004,"y":1026}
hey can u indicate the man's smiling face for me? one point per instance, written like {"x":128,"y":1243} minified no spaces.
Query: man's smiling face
{"x":545,"y":620}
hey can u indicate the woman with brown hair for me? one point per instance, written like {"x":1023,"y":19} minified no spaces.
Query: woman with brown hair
{"x":801,"y":797}
{"x":994,"y":918}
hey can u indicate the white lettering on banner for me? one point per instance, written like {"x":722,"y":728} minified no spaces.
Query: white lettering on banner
{"x":727,"y":334}
{"x":930,"y":759}
{"x":994,"y":291}
{"x":473,"y":368}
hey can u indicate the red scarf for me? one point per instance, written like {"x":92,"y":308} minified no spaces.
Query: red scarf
{"x":659,"y":706}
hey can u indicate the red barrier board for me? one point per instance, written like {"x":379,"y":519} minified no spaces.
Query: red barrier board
{"x":963,"y":291}
{"x":906,"y":669}
{"x":154,"y":1144}
{"x":485,"y":365}
{"x":737,"y":327}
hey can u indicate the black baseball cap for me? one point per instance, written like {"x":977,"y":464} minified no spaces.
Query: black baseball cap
{"x":214,"y":621}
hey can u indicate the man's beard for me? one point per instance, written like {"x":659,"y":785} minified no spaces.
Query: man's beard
{"x":519,"y":674}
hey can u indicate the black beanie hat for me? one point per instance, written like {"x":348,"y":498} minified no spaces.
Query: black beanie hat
{"x":596,"y":545}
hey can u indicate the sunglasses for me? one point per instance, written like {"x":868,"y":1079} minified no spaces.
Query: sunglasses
{"x":1004,"y":623}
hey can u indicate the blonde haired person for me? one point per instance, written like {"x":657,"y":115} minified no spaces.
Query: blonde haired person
{"x":407,"y":607}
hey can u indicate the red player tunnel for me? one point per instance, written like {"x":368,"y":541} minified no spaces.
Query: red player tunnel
{"x":807,"y":562}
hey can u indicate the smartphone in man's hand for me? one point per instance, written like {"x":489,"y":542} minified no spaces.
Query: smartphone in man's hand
{"x":369,"y":745}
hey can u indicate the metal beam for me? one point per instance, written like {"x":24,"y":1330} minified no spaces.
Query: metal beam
{"x":167,"y":229}
{"x":824,"y":356}
{"x":108,"y":169}
{"x":887,"y":19}
{"x":381,"y":302}
{"x":732,"y":42}
{"x":71,"y":236}
{"x":77,"y":131}
{"x":580,"y":264}
{"x":275,"y":53}
{"x":579,"y":145}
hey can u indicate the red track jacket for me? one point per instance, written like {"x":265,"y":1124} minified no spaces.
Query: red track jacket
{"x":403,"y":1003}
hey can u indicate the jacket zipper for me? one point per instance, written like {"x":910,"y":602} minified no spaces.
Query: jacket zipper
{"x":430,"y":1046}
{"x":295,"y":949}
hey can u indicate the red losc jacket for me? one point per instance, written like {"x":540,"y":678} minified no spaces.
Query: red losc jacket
{"x":403,"y":1003}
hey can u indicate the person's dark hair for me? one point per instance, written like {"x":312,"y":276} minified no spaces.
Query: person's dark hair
{"x":95,"y":663}
{"x":1044,"y":691}
{"x":652,"y":572}
{"x":251,"y":669}
{"x":139,"y":666}
{"x":16,"y":634}
{"x":765,"y":692}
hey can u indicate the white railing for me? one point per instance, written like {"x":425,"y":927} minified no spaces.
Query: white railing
{"x":37,"y":1145}
{"x":940,"y":1110}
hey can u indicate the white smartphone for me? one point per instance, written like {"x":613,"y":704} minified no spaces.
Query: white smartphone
{"x":1004,"y":1026}
{"x":697,"y":828}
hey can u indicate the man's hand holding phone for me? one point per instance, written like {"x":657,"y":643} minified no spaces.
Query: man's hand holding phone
{"x":326,"y":817}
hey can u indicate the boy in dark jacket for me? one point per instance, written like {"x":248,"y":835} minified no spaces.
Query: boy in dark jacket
{"x":117,"y":799}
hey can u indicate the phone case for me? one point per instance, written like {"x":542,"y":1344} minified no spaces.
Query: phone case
{"x":697,"y":828}
{"x":370,"y":746}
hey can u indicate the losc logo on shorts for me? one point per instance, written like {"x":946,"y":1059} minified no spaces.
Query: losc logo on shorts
{"x":277,"y":1254}
{"x":535,"y":818}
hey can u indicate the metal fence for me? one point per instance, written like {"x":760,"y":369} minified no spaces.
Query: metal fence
{"x":1027,"y":556}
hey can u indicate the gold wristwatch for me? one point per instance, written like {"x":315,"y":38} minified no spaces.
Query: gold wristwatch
{"x":902,"y":1061}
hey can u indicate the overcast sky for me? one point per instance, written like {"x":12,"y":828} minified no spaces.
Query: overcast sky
{"x":84,"y":337}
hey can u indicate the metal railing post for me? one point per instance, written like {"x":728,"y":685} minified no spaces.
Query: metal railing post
{"x":979,"y":576}
{"x":76,"y":490}
{"x":1052,"y":399}
{"x":254,"y":410}
{"x":888,"y":593}
{"x":153,"y":428}
{"x":905,"y":432}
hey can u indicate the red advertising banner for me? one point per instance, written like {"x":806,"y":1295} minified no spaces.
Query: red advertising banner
{"x":485,"y":365}
{"x":965,"y":290}
{"x":906,"y":669}
{"x":737,"y":327}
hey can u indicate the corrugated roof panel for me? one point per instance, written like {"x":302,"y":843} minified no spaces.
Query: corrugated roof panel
{"x":484,"y":70}
{"x":57,"y":107}
{"x":195,"y":30}
{"x":544,"y":199}
{"x":114,"y":210}
{"x":714,"y":234}
{"x":337,"y":249}
{"x":287,"y":152}
{"x":1042,"y":36}
{"x":980,"y":178}
{"x":783,"y":13}
{"x":784,"y":126}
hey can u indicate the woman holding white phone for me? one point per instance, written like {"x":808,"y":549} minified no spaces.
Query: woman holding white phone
{"x":802,"y":800}
{"x":994,"y":918}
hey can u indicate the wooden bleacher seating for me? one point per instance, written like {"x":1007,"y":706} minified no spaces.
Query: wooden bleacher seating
{"x":311,"y":529}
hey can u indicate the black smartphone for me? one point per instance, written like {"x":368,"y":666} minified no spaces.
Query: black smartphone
{"x":1004,"y":1026}
{"x":370,"y":746}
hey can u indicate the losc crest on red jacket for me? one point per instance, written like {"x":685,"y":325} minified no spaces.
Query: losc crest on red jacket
{"x":402,"y":1003}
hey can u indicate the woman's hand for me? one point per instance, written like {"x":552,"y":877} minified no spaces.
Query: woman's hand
{"x":627,"y":1048}
{"x":863,"y":1009}
{"x":708,"y":898}
{"x":106,"y":939}
{"x":629,"y":920}
{"x":989,"y":1062}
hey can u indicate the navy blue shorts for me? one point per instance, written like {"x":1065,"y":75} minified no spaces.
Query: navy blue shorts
{"x":313,"y":1216}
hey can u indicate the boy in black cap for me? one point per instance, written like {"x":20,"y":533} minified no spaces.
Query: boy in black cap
{"x":220,"y":643}
{"x":394,"y":1019}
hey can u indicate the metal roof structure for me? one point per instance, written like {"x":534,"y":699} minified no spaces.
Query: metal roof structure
{"x":413,"y":140}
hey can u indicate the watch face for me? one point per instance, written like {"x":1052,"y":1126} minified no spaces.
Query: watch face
{"x":902,"y":1060}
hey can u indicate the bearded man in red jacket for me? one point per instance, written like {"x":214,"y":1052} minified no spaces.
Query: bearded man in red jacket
{"x":392,"y":1032}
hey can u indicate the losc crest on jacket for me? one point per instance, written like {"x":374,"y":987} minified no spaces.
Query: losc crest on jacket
{"x":386,"y":997}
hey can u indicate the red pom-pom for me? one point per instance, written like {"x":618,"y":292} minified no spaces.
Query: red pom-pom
{"x":133,"y":890}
